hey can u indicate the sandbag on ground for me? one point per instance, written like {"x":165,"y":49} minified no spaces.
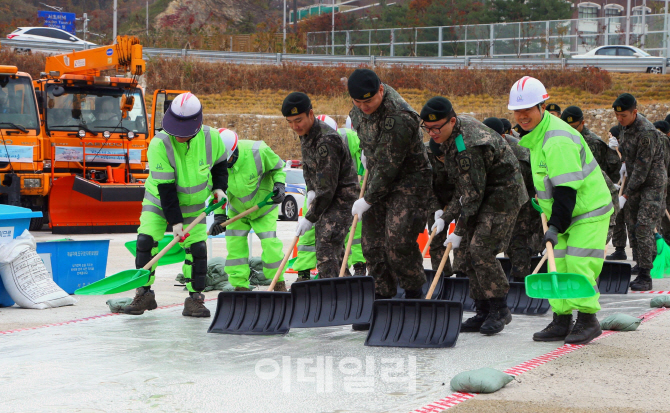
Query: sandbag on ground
{"x":26,"y":278}
{"x":484,"y":380}
{"x":660,"y":301}
{"x":620,"y":322}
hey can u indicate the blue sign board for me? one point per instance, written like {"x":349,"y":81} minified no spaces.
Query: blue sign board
{"x":58,"y":20}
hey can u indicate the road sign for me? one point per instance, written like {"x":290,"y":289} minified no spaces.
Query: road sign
{"x":58,"y":20}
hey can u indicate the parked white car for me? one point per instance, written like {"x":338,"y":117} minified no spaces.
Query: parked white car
{"x":295,"y":195}
{"x":45,"y":34}
{"x":604,"y":53}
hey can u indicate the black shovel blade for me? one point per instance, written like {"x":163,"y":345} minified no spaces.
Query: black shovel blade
{"x":251,"y":312}
{"x":614,"y":278}
{"x":332,"y":302}
{"x":430,"y":275}
{"x":506,"y":264}
{"x":458,"y":289}
{"x":519,"y":302}
{"x":415,"y":323}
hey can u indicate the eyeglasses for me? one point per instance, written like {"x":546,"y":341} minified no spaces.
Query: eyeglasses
{"x":435,"y":129}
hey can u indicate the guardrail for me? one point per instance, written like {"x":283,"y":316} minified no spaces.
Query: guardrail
{"x":279,"y":58}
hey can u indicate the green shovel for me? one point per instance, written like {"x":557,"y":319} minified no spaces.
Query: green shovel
{"x":174,"y":255}
{"x":131,"y":279}
{"x":554,"y":285}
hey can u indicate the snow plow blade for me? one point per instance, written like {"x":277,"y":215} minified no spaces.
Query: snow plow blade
{"x":80,"y":206}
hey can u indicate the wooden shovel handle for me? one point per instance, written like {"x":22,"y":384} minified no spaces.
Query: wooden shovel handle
{"x":175,"y":240}
{"x":432,"y":235}
{"x":539,"y":265}
{"x":350,"y":241}
{"x":623,"y":182}
{"x":550,"y":248}
{"x":287,"y":256}
{"x":438,"y":273}
{"x":239,"y":216}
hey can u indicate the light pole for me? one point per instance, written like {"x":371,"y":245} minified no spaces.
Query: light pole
{"x":332,"y":35}
{"x":628,"y":23}
{"x":147,"y":18}
{"x":284,"y":25}
{"x":114,"y":22}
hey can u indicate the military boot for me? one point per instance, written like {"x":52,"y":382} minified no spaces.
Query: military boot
{"x":359,"y":269}
{"x":586,"y":329}
{"x":281,"y":287}
{"x":635,"y":270}
{"x":642,"y":282}
{"x":473,"y":324}
{"x":194,"y":306}
{"x":618,"y":255}
{"x":499,"y":316}
{"x":557,"y":330}
{"x":144,"y":300}
{"x":303,"y":276}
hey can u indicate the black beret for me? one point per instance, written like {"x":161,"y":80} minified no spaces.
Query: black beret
{"x":614,"y":130}
{"x":572,"y":114}
{"x":363,"y":84}
{"x":520,"y":130}
{"x":625,"y":101}
{"x":552,"y":107}
{"x":435,"y":148}
{"x":507,"y":125}
{"x":295,"y":104}
{"x":663,"y":126}
{"x":435,"y":109}
{"x":495,"y":124}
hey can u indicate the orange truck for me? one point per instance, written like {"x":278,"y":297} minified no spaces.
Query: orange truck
{"x":75,"y":140}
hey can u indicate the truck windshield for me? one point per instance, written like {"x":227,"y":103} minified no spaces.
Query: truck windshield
{"x":17,"y":102}
{"x":96,"y":108}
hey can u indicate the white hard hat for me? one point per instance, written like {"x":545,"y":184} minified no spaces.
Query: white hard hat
{"x":348,"y":124}
{"x":328,"y":120}
{"x":183,"y":118}
{"x":229,"y":139}
{"x":526,"y":93}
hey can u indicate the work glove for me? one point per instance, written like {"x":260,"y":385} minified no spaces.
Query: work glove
{"x":622,"y":201}
{"x":438,"y":214}
{"x":279,"y":192}
{"x":218,"y":195}
{"x":551,"y":236}
{"x":310,"y":198}
{"x":359,"y":208}
{"x":178,"y":231}
{"x":216,"y":228}
{"x":364,"y":160}
{"x":614,"y":143}
{"x":622,"y":171}
{"x":617,"y":186}
{"x":304,"y":225}
{"x":439,"y":222}
{"x":454,"y":239}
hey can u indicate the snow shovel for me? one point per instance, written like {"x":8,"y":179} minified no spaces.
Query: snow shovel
{"x":416,"y":323}
{"x":430,"y":275}
{"x":662,"y":257}
{"x":334,"y":301}
{"x":557,"y":285}
{"x":174,"y":255}
{"x":131,"y":279}
{"x":520,"y":303}
{"x":254,"y":312}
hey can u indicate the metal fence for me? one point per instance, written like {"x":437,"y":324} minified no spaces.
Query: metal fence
{"x":556,"y":38}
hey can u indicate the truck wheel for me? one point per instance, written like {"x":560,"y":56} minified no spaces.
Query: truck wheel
{"x":36,"y":224}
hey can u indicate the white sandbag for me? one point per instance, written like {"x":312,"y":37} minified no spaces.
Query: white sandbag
{"x":26,"y":278}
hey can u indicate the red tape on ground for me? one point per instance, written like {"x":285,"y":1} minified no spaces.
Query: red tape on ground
{"x":458,"y":398}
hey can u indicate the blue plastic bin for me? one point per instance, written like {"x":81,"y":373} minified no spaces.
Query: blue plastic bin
{"x":75,"y":264}
{"x":13,"y":221}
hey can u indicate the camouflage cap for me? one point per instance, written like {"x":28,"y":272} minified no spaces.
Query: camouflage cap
{"x":435,"y":109}
{"x":363,"y":84}
{"x":572,"y":114}
{"x":296,"y":103}
{"x":625,"y":101}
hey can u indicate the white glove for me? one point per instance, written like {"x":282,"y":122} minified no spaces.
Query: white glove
{"x":178,"y":231}
{"x":438,"y":214}
{"x":622,"y":171}
{"x":310,"y":197}
{"x":359,"y":208}
{"x":614,"y":143}
{"x":304,"y":225}
{"x":439,"y":225}
{"x":364,"y":160}
{"x":617,"y":186}
{"x":622,"y":201}
{"x":454,"y":239}
{"x":218,"y":195}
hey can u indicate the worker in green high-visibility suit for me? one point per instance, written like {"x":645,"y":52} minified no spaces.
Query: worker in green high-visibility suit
{"x":574,"y":196}
{"x":254,"y":171}
{"x":306,"y":259}
{"x":187,"y":165}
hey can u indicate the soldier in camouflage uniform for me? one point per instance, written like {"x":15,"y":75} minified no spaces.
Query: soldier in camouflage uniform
{"x":607,"y":158}
{"x":664,"y":127}
{"x":394,"y":210}
{"x":520,"y":247}
{"x":329,"y":171}
{"x":443,"y":192}
{"x":491,"y":191}
{"x":642,"y":200}
{"x":618,"y":232}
